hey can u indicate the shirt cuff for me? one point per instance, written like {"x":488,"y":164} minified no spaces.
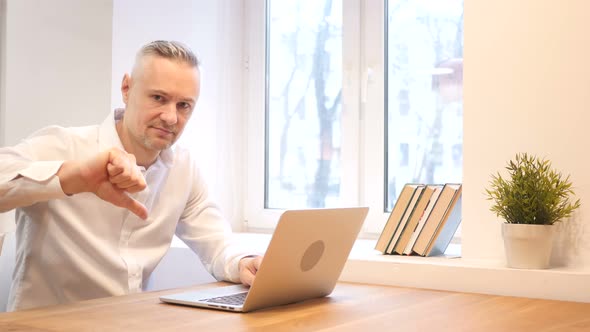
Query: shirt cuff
{"x":42,"y":178}
{"x":41,"y":171}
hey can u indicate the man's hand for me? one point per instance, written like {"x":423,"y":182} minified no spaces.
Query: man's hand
{"x":248,"y":267}
{"x":110,"y":176}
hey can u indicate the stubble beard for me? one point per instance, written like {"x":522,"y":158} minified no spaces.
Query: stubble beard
{"x":155,"y":144}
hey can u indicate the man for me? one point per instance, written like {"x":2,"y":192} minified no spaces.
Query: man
{"x":97,"y":207}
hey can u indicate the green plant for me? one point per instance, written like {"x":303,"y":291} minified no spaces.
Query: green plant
{"x":534,"y":193}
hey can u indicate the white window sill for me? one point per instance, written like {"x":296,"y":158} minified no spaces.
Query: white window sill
{"x":366,"y":265}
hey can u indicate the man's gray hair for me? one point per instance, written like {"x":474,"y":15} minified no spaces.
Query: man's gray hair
{"x":170,"y":50}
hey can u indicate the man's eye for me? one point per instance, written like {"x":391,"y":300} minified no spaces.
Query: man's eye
{"x":157,"y":97}
{"x":184,"y":106}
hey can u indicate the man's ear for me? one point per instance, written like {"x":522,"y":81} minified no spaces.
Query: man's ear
{"x":125,"y":86}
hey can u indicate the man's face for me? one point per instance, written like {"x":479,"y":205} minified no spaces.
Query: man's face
{"x":160,"y":97}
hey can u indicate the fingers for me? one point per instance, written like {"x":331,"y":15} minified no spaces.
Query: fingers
{"x":133,"y":187}
{"x":247,"y":278}
{"x":111,"y":175}
{"x":248,"y":267}
{"x":130,"y":179}
{"x":124,"y":173}
{"x":257,"y":262}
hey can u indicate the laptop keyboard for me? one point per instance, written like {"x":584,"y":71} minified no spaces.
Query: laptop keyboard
{"x":233,"y":299}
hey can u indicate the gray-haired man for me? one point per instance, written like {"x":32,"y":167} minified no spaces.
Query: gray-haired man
{"x":97,"y":206}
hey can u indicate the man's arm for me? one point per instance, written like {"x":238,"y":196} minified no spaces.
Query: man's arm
{"x":203,"y":228}
{"x":24,"y":180}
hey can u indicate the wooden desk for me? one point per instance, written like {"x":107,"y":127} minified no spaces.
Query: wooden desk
{"x":351,"y":307}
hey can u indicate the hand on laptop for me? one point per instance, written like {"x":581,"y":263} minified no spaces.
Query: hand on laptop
{"x":248,"y":267}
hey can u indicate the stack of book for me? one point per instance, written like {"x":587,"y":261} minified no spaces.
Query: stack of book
{"x":423,"y":220}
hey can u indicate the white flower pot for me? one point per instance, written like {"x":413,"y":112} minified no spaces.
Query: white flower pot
{"x":528,"y":246}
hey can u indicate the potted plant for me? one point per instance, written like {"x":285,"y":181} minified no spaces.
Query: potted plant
{"x":531,"y":199}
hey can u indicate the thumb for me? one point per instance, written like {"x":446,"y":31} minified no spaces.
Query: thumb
{"x":138,"y":209}
{"x":125,"y":201}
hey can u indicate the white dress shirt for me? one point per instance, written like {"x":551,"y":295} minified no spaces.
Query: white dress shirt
{"x":72,"y":248}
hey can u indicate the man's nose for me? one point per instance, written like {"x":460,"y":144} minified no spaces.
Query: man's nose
{"x":169,"y":115}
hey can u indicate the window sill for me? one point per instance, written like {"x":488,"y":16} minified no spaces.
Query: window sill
{"x":450,"y":273}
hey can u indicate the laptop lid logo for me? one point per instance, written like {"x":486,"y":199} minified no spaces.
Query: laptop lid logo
{"x":312,"y":255}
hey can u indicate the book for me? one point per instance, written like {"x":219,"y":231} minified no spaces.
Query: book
{"x":410,"y":226}
{"x":447,"y":228}
{"x":395,"y":216}
{"x":407,"y":215}
{"x":438,"y":216}
{"x":431,"y":202}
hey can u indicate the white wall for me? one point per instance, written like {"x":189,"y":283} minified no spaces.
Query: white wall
{"x":55,"y":65}
{"x":526,"y":89}
{"x":2,"y":67}
{"x":213,"y":30}
{"x":56,"y":69}
{"x":5,"y":224}
{"x":58,"y":64}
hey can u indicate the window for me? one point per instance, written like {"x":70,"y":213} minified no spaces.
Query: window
{"x":348,"y":100}
{"x":303,"y":106}
{"x":424,"y":80}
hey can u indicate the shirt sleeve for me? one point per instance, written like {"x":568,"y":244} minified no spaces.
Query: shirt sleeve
{"x":203,"y":228}
{"x":27,"y":176}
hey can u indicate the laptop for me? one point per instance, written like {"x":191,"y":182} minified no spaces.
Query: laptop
{"x":304,"y":260}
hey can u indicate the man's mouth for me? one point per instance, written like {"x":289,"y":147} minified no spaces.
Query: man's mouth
{"x":164,"y":131}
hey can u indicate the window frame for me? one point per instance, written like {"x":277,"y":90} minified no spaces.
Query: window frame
{"x":364,"y":114}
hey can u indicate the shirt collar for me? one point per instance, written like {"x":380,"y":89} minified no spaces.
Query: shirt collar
{"x":109,"y":137}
